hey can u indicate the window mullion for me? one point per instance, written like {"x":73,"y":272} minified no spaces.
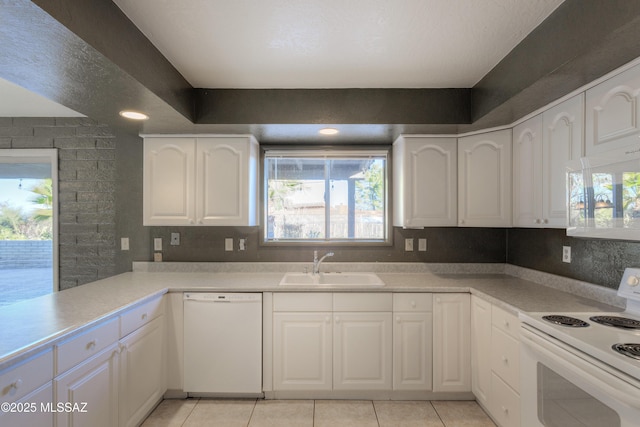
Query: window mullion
{"x":327,"y":199}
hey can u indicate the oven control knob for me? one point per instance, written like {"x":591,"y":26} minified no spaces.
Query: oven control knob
{"x":633,"y":281}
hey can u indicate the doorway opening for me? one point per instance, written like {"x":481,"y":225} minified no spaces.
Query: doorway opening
{"x":28,"y":224}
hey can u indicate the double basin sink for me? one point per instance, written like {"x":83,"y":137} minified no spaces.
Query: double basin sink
{"x":331,"y":279}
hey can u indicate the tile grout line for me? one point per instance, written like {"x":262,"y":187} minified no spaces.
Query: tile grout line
{"x":375,"y":413}
{"x":255,"y":403}
{"x":190,"y":412}
{"x":438,"y":414}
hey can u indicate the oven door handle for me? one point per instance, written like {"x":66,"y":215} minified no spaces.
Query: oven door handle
{"x":623,"y":390}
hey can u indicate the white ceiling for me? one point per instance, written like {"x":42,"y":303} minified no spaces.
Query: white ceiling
{"x":335,"y":43}
{"x":16,"y":101}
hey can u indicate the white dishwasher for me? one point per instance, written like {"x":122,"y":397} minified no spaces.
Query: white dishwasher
{"x":223,"y":344}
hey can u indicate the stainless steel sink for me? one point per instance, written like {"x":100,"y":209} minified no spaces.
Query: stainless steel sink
{"x":331,"y":279}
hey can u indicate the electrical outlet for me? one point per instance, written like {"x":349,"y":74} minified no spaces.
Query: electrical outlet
{"x":175,"y":239}
{"x":242,"y":244}
{"x":566,"y":254}
{"x":157,"y":244}
{"x":157,"y":256}
{"x":422,"y":245}
{"x":124,"y":244}
{"x":228,"y":244}
{"x":408,"y":245}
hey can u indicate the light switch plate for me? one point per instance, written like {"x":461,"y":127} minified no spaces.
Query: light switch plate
{"x":228,"y":244}
{"x":408,"y":245}
{"x":157,"y":244}
{"x":422,"y":245}
{"x":124,"y":244}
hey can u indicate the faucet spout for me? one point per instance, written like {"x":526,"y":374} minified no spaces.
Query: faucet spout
{"x":317,"y":262}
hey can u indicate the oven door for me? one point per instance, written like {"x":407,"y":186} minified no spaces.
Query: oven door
{"x":562,"y":387}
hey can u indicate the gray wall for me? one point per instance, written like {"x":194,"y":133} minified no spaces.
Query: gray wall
{"x":101,"y":201}
{"x":598,"y":261}
{"x":86,"y":172}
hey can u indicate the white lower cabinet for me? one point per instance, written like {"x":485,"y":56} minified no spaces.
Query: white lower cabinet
{"x":27,"y":389}
{"x":451,"y":342}
{"x":303,"y":351}
{"x":496,"y":361}
{"x":141,"y":372}
{"x":113,"y":373}
{"x":412,"y":341}
{"x":481,"y":350}
{"x":92,"y":387}
{"x":362,"y":351}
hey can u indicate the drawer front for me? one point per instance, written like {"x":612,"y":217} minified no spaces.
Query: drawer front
{"x":141,"y":315}
{"x":505,"y":403}
{"x":20,"y":380}
{"x":506,"y":322}
{"x":505,"y":358}
{"x":413,"y":302}
{"x":302,"y":301}
{"x":85,"y":345}
{"x":362,"y":302}
{"x":36,"y":409}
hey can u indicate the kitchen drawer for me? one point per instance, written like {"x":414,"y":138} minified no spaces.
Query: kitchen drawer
{"x":505,"y":357}
{"x":20,"y":380}
{"x":506,"y":322}
{"x":505,"y":403}
{"x":302,"y":301}
{"x":412,"y":302}
{"x":85,"y":345}
{"x":362,"y":301}
{"x":36,"y":409}
{"x":140,"y":315}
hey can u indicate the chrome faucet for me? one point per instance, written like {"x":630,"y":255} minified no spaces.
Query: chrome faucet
{"x":317,"y":262}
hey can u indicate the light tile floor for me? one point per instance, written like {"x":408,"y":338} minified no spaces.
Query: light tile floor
{"x":317,"y":413}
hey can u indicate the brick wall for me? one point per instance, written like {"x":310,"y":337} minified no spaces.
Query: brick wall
{"x":87,"y":181}
{"x":25,"y":254}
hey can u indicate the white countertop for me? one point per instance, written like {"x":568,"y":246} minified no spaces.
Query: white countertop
{"x":32,"y":325}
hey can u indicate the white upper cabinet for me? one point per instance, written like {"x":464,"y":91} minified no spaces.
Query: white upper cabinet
{"x":169,"y":181}
{"x":201,"y":180}
{"x":613,"y":113}
{"x":542,"y":146}
{"x":562,"y":141}
{"x":484,"y":180}
{"x":527,"y":173}
{"x":425,"y":182}
{"x":226,"y":184}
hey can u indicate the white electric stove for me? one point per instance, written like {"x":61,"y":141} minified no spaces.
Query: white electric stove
{"x":590,"y":360}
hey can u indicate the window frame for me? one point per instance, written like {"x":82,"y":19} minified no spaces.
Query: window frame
{"x":326,"y":152}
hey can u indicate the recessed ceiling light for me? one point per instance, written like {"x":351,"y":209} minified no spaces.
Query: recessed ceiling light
{"x":133,"y":115}
{"x":328,"y":131}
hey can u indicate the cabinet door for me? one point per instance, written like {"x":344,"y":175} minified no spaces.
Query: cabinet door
{"x":94,"y":382}
{"x":561,"y":141}
{"x":302,"y":351}
{"x":527,"y":173}
{"x":169,"y":175}
{"x":451,"y":343}
{"x":412,"y":353}
{"x":40,"y":405}
{"x":141,"y":372}
{"x":425,"y":182}
{"x":226,"y":181}
{"x":484,"y":180}
{"x":481,"y":349}
{"x":362,"y":351}
{"x":612,"y":113}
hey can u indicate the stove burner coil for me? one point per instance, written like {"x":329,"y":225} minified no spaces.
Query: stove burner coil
{"x":617,"y":322}
{"x":566,"y":321}
{"x":629,"y":350}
